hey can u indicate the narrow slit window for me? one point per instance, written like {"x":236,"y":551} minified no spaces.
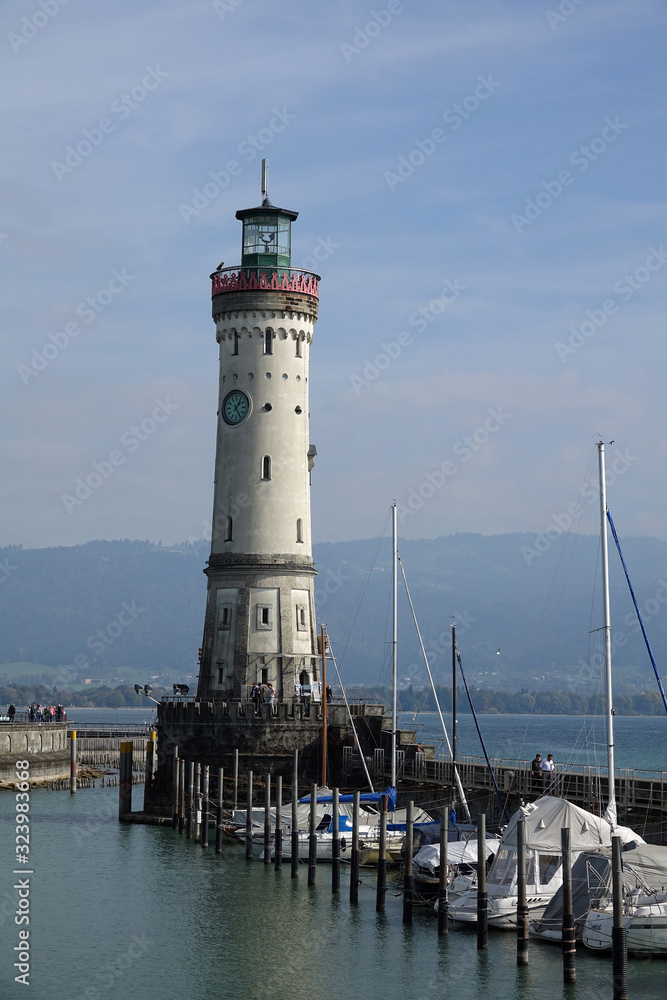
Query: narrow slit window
{"x":229,"y":527}
{"x":299,"y":529}
{"x":298,"y":347}
{"x":266,"y":467}
{"x":268,"y":342}
{"x":221,"y":674}
{"x":264,"y":617}
{"x":235,"y":349}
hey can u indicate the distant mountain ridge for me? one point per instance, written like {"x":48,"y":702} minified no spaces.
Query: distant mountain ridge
{"x":107,"y":608}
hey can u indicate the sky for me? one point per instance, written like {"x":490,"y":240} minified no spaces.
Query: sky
{"x":479,"y":183}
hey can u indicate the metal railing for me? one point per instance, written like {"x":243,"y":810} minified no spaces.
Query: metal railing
{"x":270,"y":278}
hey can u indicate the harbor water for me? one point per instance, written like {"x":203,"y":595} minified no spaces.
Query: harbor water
{"x":136,"y":911}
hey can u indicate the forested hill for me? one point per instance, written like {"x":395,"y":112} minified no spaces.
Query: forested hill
{"x":126,"y":610}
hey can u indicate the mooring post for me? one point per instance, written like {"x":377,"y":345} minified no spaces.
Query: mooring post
{"x":248,"y":819}
{"x":278,"y":838}
{"x":219,"y":823}
{"x":443,"y":900}
{"x":354,"y":856}
{"x":568,"y":936}
{"x":125,"y":780}
{"x":312,"y":838}
{"x":407,"y":860}
{"x":197,"y":804}
{"x":335,"y":842}
{"x":521,"y":903}
{"x":174,"y":795}
{"x":267,"y":820}
{"x":619,"y":942}
{"x":482,"y":901}
{"x":236,"y":779}
{"x":204,"y":806}
{"x":382,"y":858}
{"x":181,"y":796}
{"x":190,"y":807}
{"x":72,"y":762}
{"x":295,"y":816}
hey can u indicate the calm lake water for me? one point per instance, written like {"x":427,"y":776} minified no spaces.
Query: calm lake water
{"x":140,"y":912}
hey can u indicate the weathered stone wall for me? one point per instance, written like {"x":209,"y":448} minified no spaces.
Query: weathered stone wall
{"x":45,"y":746}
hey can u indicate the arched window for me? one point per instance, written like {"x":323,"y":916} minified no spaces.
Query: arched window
{"x":268,"y":341}
{"x":235,"y":349}
{"x":299,"y":529}
{"x":229,"y":525}
{"x":266,"y":467}
{"x":298,"y":347}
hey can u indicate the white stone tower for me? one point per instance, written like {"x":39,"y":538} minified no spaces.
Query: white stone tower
{"x":260,"y":612}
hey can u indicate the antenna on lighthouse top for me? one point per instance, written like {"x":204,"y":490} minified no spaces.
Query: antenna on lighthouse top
{"x":265,"y":182}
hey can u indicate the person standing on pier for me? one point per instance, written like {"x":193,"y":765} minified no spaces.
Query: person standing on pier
{"x":11,"y":712}
{"x":536,"y":774}
{"x":548,"y":770}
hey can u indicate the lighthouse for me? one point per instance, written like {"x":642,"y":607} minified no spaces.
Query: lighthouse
{"x":260,"y":613}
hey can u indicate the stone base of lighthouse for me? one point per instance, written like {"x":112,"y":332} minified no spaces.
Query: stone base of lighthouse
{"x":259,"y":626}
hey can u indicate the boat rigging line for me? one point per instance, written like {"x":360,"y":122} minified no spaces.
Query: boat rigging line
{"x":462,"y":795}
{"x":634,"y":601}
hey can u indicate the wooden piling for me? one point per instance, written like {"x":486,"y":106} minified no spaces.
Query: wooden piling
{"x":181,"y":796}
{"x":278,"y":838}
{"x":219,"y":822}
{"x":407,"y":861}
{"x":196,"y":832}
{"x":204,"y":806}
{"x":236,"y":779}
{"x":335,"y":842}
{"x":521,"y":903}
{"x":312,"y":838}
{"x":125,"y":781}
{"x":482,"y":899}
{"x":190,"y":805}
{"x":382,"y":859}
{"x":619,"y":942}
{"x":174,"y":794}
{"x":267,"y":819}
{"x":354,"y":854}
{"x":72,"y":762}
{"x":443,"y":898}
{"x":295,"y":816}
{"x":248,"y":819}
{"x":567,"y":935}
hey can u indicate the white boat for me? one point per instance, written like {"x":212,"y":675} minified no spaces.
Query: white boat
{"x":544,"y":820}
{"x":461,"y":862}
{"x":644,"y":905}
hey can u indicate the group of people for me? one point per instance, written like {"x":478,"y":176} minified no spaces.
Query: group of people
{"x":542,"y":772}
{"x":46,"y":713}
{"x":262,"y":693}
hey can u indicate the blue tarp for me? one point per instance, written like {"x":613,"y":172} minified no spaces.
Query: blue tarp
{"x":374,"y":797}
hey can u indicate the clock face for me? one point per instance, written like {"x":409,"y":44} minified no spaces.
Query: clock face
{"x":235,"y":407}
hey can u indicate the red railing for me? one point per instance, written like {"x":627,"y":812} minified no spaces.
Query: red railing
{"x":281,"y":279}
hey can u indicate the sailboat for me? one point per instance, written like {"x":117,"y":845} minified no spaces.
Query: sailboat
{"x":545,"y":818}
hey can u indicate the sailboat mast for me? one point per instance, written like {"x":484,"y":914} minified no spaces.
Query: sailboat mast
{"x":394,"y":582}
{"x":610,"y":814}
{"x":453,"y":628}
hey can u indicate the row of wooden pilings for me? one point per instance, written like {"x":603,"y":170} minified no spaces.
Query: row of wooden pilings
{"x":192,"y":804}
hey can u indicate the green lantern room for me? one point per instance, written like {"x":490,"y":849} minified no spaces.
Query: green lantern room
{"x":267,"y":232}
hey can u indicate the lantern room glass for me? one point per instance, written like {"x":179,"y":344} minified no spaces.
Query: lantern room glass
{"x":266,"y":240}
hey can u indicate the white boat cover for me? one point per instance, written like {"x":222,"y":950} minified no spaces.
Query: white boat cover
{"x":548,"y":815}
{"x":458,"y":852}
